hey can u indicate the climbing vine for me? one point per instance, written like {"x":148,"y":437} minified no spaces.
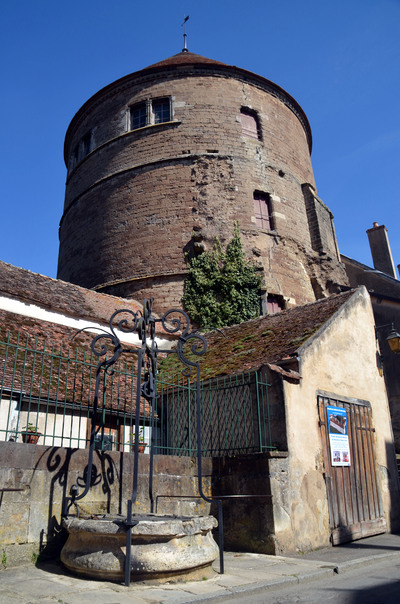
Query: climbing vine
{"x":222,"y":287}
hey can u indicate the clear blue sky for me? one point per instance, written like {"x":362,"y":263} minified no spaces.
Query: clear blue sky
{"x":339,"y":59}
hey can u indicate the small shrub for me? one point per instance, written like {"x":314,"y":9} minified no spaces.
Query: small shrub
{"x":222,"y":287}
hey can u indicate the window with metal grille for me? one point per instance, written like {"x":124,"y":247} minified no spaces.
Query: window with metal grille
{"x":138,"y":116}
{"x":262,"y":211}
{"x":250,"y":124}
{"x":161,"y":111}
{"x":157,"y":111}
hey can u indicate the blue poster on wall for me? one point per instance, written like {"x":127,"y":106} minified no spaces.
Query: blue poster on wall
{"x":338,"y":436}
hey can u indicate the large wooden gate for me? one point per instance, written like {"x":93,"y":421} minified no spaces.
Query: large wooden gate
{"x":355,"y":506}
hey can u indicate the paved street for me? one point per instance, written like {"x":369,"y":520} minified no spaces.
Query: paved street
{"x":362,"y":572}
{"x":375,"y":584}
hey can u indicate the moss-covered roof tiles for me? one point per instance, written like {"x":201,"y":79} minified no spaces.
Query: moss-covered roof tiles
{"x":263,"y":340}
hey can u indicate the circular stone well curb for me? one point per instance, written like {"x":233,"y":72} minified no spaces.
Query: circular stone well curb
{"x":162,"y":546}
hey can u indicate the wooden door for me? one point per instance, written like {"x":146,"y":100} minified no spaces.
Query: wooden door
{"x":355,"y":506}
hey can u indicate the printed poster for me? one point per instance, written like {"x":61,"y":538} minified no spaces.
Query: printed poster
{"x":338,"y":436}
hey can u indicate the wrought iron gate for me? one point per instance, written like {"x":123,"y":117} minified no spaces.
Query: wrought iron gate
{"x":355,"y":506}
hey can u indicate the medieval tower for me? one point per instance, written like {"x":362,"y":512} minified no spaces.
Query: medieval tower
{"x":163,"y":160}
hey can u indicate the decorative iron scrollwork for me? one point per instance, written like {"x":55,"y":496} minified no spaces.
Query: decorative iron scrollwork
{"x":143,"y":323}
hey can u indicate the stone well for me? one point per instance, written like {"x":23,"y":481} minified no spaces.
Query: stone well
{"x":163,"y":547}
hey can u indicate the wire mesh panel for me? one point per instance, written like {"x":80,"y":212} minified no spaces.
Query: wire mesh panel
{"x":46,"y":396}
{"x":234,"y":416}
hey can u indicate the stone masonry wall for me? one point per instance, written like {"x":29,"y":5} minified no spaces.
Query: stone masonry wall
{"x":34,"y":479}
{"x":133,"y":203}
{"x":30,"y":517}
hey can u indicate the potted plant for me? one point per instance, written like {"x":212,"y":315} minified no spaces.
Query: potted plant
{"x":30,"y":434}
{"x":142,"y":444}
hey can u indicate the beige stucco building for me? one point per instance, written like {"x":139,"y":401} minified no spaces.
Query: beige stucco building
{"x":312,"y":501}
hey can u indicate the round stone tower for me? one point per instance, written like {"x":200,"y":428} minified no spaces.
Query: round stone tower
{"x":162,"y":161}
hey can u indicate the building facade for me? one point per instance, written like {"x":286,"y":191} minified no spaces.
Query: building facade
{"x":166,"y":159}
{"x":384,"y":290}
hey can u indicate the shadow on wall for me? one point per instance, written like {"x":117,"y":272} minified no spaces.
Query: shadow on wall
{"x":392,"y":477}
{"x":61,"y":465}
{"x":244,"y":483}
{"x":35,"y":479}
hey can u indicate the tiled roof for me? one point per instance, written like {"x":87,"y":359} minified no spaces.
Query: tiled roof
{"x":184,"y":58}
{"x":61,"y":297}
{"x":42,"y":360}
{"x":264,"y":340}
{"x":14,"y":324}
{"x":377,"y":282}
{"x":40,"y":352}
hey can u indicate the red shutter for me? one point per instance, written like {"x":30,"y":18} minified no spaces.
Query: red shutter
{"x":262,"y":212}
{"x":249,"y":125}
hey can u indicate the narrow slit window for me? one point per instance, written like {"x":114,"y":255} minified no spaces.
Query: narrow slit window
{"x":262,"y":211}
{"x":86,"y":144}
{"x":75,"y":156}
{"x":250,"y":125}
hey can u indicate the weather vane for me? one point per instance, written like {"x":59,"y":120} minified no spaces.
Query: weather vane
{"x":184,"y":49}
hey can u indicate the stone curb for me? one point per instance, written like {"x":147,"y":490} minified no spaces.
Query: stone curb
{"x":326,"y":570}
{"x":255,"y":588}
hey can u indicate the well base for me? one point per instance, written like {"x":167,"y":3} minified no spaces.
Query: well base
{"x":164,"y":548}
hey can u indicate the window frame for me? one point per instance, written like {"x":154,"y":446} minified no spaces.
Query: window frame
{"x":151,"y":118}
{"x":161,"y":101}
{"x":138,"y":107}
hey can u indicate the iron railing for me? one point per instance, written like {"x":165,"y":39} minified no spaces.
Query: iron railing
{"x":46,"y":389}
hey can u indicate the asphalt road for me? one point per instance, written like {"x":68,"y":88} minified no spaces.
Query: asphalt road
{"x":373,"y":584}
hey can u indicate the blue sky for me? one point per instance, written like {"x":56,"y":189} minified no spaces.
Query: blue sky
{"x":339,"y":59}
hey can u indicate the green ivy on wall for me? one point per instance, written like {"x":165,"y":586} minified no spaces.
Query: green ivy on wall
{"x":222,"y":287}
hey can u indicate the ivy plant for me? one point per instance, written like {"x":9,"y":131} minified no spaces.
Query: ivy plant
{"x":222,"y":287}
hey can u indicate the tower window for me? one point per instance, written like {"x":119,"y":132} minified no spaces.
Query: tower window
{"x":250,"y":123}
{"x":262,"y":211}
{"x":138,"y":116}
{"x":161,"y":111}
{"x":147,"y":113}
{"x":81,"y":149}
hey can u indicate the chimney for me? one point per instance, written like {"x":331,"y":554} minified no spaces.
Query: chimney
{"x":380,"y":250}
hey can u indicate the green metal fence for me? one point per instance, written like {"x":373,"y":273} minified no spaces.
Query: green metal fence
{"x":234,"y":416}
{"x":46,"y":394}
